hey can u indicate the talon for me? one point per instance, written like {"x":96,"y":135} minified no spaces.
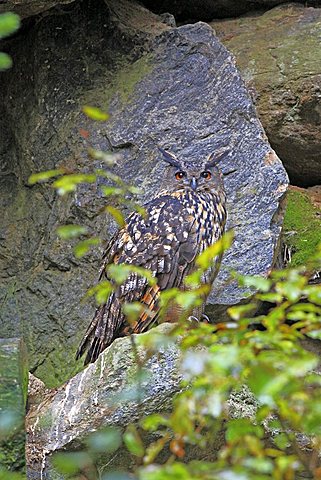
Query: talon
{"x":205,"y":318}
{"x":193,"y":319}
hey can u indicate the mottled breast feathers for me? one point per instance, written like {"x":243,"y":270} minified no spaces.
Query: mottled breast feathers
{"x":177,"y":226}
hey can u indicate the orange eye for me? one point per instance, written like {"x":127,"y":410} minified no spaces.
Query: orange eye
{"x":179,"y":175}
{"x":207,"y":175}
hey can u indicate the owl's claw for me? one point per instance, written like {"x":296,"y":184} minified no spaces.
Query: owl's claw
{"x":192,"y":319}
{"x":204,"y":318}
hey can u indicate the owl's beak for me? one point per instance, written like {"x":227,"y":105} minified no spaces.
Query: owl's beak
{"x":193,"y":183}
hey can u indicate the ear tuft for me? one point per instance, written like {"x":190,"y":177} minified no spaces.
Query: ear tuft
{"x":169,"y":158}
{"x":215,"y":157}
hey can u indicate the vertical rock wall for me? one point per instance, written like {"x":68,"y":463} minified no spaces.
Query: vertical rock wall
{"x":174,"y":87}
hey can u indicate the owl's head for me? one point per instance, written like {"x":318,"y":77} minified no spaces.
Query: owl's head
{"x":201,"y":176}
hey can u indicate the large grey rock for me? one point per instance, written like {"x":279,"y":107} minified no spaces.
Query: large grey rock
{"x":13,"y":397}
{"x":177,"y":88}
{"x":279,"y":55}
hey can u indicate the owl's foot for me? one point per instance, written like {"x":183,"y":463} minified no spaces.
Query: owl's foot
{"x":204,"y":318}
{"x":192,"y":319}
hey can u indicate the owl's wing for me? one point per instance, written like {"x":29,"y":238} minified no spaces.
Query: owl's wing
{"x":164,"y":242}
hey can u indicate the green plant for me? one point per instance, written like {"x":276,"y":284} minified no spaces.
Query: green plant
{"x":9,"y":23}
{"x":262,"y":352}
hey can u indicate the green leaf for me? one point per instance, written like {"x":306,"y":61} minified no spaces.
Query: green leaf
{"x":239,"y":311}
{"x":314,"y":295}
{"x":82,"y":247}
{"x":271,"y":297}
{"x":117,"y":215}
{"x":108,"y":158}
{"x":107,"y":190}
{"x":68,"y":183}
{"x":153,"y":422}
{"x":154,"y":449}
{"x":5,"y":61}
{"x":316,"y":334}
{"x":44,"y":176}
{"x":7,"y":475}
{"x":101,"y":292}
{"x":71,"y":463}
{"x":266,"y":382}
{"x":121,"y":272}
{"x":132,"y":310}
{"x":281,"y":441}
{"x":9,"y":23}
{"x":104,"y":441}
{"x":133,"y":441}
{"x":66,"y":232}
{"x":205,"y":259}
{"x":95,"y":113}
{"x":117,"y":475}
{"x":188,"y":299}
{"x":257,"y":282}
{"x":9,"y":422}
{"x":239,"y":427}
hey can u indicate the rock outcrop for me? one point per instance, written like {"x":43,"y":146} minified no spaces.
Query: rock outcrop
{"x":207,"y":10}
{"x":13,"y":398}
{"x":107,"y":393}
{"x":174,"y":87}
{"x":29,"y":8}
{"x":278,"y":54}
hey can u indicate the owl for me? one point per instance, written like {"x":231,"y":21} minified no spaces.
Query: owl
{"x":178,"y":224}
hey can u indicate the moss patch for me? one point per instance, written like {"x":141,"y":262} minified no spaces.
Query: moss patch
{"x":60,"y":365}
{"x":13,"y":394}
{"x":122,"y":84}
{"x":302,"y":227}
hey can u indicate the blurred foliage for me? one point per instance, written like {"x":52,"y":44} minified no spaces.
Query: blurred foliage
{"x":9,"y":23}
{"x":12,"y":439}
{"x":262,"y":352}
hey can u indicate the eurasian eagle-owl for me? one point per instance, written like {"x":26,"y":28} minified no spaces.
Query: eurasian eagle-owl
{"x":178,"y":224}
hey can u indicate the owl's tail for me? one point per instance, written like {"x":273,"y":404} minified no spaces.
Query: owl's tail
{"x":102,"y":330}
{"x":109,"y":323}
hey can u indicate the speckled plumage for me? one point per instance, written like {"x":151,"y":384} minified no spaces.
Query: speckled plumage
{"x":178,"y":224}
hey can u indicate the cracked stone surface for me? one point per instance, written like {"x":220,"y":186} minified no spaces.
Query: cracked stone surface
{"x":279,"y":56}
{"x":174,"y":87}
{"x":106,"y":394}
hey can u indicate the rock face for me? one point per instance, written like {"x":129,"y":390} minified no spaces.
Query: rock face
{"x":13,"y":397}
{"x":107,"y":394}
{"x":209,"y":9}
{"x":174,"y":87}
{"x":28,"y":8}
{"x":279,"y":55}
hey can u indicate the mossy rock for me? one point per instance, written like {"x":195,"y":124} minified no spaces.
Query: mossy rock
{"x":302,"y":227}
{"x":13,"y":395}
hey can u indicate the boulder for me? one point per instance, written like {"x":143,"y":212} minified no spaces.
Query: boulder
{"x":206,"y":10}
{"x":177,"y":88}
{"x":13,"y":396}
{"x":278,"y":54}
{"x":29,"y":8}
{"x":108,"y":394}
